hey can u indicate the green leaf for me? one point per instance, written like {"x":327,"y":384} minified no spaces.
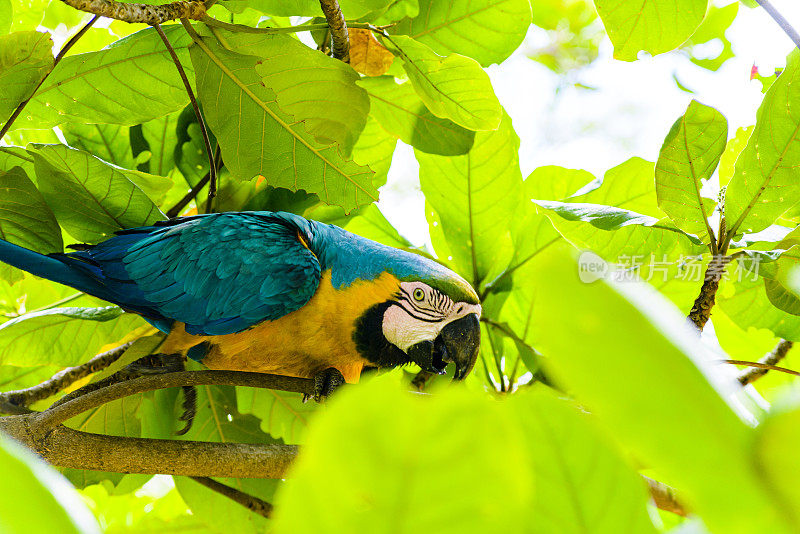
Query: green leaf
{"x":485,"y":30}
{"x":552,"y":182}
{"x":453,"y":87}
{"x":749,"y":306}
{"x":655,"y":26}
{"x":6,"y":15}
{"x":35,"y":498}
{"x":109,"y":142}
{"x":576,"y":464}
{"x":62,"y":336}
{"x":161,"y":139}
{"x":283,"y":415}
{"x":322,"y":92}
{"x":352,"y":9}
{"x":688,"y":157}
{"x":275,"y":145}
{"x":615,"y":233}
{"x":476,"y":196}
{"x":25,"y":58}
{"x":378,"y":466}
{"x":14,"y":156}
{"x":716,"y":23}
{"x":222,"y":515}
{"x":91,"y":198}
{"x":25,"y":219}
{"x":666,"y":376}
{"x":629,"y":185}
{"x":400,"y":111}
{"x":733,"y":148}
{"x":132,"y":81}
{"x":774,"y":453}
{"x":765,"y":183}
{"x":374,"y":148}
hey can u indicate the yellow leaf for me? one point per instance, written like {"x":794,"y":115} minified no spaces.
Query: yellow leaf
{"x":367,"y":55}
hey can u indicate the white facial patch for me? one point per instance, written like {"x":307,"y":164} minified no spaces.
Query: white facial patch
{"x":420,"y":314}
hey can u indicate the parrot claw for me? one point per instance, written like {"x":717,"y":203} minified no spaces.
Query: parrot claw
{"x":326,"y":383}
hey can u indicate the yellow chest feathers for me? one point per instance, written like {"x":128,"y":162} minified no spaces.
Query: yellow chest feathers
{"x":309,"y":340}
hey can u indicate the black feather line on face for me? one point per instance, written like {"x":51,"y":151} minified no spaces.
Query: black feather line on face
{"x":370,"y":341}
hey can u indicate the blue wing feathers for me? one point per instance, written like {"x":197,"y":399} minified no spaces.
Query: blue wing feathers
{"x":218,"y":274}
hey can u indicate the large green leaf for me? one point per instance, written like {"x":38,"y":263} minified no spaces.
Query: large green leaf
{"x":352,"y":9}
{"x":774,"y":452}
{"x":35,"y":498}
{"x":109,"y":142}
{"x":259,"y":138}
{"x":453,"y":87}
{"x":62,"y":336}
{"x":668,"y":411}
{"x":161,"y":139}
{"x":749,"y":306}
{"x":485,"y":30}
{"x":400,"y":111}
{"x":688,"y":157}
{"x":25,"y":219}
{"x":629,"y":185}
{"x":91,"y":198}
{"x":6,"y":15}
{"x":654,"y":26}
{"x":374,"y":148}
{"x":308,"y":85}
{"x":380,"y":467}
{"x":574,"y":462}
{"x":25,"y":58}
{"x":475,"y":196}
{"x":765,"y":181}
{"x":616,"y":233}
{"x":132,"y":81}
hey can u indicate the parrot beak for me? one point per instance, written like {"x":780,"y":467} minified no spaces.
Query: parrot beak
{"x":458,"y":342}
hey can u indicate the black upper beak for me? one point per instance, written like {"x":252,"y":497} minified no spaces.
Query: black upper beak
{"x":458,"y":342}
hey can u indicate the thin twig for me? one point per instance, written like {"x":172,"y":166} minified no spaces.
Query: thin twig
{"x":7,"y":126}
{"x":23,"y":398}
{"x":338,"y":26}
{"x":241,"y":28}
{"x":782,"y":22}
{"x":771,"y":359}
{"x":212,"y":168}
{"x":146,"y":14}
{"x":63,"y":412}
{"x":664,"y":497}
{"x":251,"y":502}
{"x":759,"y":365}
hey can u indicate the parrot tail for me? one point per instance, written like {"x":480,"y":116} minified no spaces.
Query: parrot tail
{"x":62,"y":268}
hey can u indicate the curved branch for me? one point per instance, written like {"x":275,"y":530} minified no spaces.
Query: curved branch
{"x":65,"y":447}
{"x":782,"y":22}
{"x":338,"y":26}
{"x":183,"y":9}
{"x":51,"y":418}
{"x":22,"y":398}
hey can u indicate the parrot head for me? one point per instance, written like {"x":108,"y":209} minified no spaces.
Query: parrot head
{"x":434,"y":328}
{"x":432,"y":319}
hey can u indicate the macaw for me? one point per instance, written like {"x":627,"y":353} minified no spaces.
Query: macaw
{"x":274,"y":292}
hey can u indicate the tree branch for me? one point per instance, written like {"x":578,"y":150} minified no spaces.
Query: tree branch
{"x":664,"y":497}
{"x":65,"y":447}
{"x":766,"y":363}
{"x":56,"y":415}
{"x":22,"y":398}
{"x":338,"y":26}
{"x":147,"y":14}
{"x":7,"y":126}
{"x":251,"y":502}
{"x":782,"y":22}
{"x":701,"y":309}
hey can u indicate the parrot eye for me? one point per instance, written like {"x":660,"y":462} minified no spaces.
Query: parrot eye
{"x":419,"y":294}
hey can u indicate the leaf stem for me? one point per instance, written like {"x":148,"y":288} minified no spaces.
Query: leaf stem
{"x":241,"y":28}
{"x":212,"y":168}
{"x":251,"y":502}
{"x":767,"y":363}
{"x":7,"y":126}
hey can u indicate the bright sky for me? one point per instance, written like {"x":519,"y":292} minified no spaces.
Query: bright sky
{"x":629,"y":113}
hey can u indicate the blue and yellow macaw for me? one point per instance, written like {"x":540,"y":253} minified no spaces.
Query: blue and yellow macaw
{"x":276,"y":293}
